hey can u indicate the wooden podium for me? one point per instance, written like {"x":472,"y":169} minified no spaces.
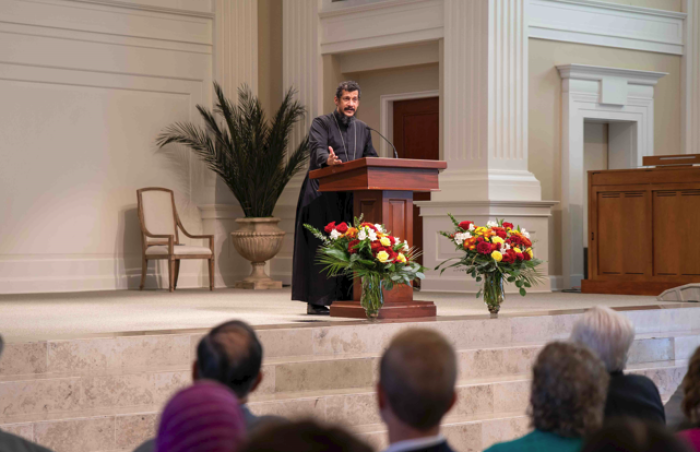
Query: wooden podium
{"x":383,"y":192}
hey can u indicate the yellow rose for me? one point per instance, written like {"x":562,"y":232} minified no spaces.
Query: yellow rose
{"x":480,"y":230}
{"x":401,"y":258}
{"x":497,"y":256}
{"x":517,"y":250}
{"x":529,"y":251}
{"x":382,"y":256}
{"x":385,"y":241}
{"x":497,"y":239}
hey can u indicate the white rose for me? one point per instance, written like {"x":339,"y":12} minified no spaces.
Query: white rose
{"x":397,"y":240}
{"x":362,"y":235}
{"x":335,"y":234}
{"x":504,"y":247}
{"x":379,"y":227}
{"x":472,"y":227}
{"x":491,"y":224}
{"x":405,"y":246}
{"x":524,"y":232}
{"x":372,"y":235}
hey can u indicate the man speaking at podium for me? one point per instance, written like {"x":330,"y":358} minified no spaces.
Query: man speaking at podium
{"x":334,"y":139}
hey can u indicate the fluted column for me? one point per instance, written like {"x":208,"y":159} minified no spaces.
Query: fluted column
{"x":691,"y":80}
{"x":485,"y":114}
{"x":236,"y":45}
{"x":302,"y":65}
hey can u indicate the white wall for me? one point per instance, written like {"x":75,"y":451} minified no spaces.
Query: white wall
{"x":86,"y":87}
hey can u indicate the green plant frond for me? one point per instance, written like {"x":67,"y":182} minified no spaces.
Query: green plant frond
{"x":454,"y":220}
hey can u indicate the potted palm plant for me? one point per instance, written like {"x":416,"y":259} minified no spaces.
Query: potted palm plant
{"x":249,"y":153}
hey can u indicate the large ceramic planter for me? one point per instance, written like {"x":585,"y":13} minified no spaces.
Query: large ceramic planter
{"x":258,"y":240}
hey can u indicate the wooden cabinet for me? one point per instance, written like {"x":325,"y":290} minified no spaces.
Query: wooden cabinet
{"x":642,"y":226}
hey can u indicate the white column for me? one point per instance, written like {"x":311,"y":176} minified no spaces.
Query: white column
{"x":690,"y":134}
{"x":302,"y":66}
{"x":485,"y":135}
{"x":486,"y":102}
{"x":236,"y":46}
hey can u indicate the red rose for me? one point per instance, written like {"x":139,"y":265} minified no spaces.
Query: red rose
{"x":329,"y":227}
{"x":351,"y":246}
{"x":527,"y":243}
{"x":509,"y":257}
{"x":501,"y":232}
{"x":484,"y":248}
{"x":515,"y":241}
{"x":376,"y":246}
{"x":526,"y":256}
{"x":465,"y":225}
{"x":342,"y":228}
{"x":507,"y":225}
{"x":519,"y":257}
{"x":369,"y":225}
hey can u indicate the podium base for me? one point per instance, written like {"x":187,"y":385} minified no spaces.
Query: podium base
{"x":390,"y":310}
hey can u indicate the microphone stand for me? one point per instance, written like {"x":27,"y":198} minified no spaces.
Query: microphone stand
{"x":396,"y":154}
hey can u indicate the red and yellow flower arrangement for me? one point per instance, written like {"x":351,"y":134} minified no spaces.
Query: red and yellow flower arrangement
{"x":496,"y":253}
{"x":367,"y":251}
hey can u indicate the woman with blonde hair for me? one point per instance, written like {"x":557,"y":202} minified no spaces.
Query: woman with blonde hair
{"x":610,"y":336}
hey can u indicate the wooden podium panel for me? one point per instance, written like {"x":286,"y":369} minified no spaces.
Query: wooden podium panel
{"x":383,"y":193}
{"x":642,"y":229}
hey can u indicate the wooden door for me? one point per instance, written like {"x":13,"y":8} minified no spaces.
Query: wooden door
{"x":417,"y":136}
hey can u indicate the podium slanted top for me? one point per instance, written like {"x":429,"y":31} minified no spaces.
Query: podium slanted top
{"x":379,"y":173}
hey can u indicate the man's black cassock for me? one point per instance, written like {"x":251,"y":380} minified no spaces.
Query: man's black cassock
{"x":318,"y":209}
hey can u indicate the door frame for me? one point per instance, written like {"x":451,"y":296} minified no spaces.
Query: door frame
{"x":386,"y":115}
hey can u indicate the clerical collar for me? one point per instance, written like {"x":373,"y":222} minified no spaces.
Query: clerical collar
{"x":343,"y":119}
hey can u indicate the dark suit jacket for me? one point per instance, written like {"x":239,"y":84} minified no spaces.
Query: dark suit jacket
{"x":14,"y":443}
{"x":442,"y":447}
{"x":634,"y":396}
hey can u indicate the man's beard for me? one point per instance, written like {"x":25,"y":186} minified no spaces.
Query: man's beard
{"x":345,"y":120}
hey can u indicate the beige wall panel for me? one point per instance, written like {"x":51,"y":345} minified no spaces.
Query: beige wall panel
{"x":391,"y":81}
{"x":668,"y":5}
{"x":545,"y":111}
{"x":79,"y":139}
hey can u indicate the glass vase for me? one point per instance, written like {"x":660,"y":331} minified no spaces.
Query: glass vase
{"x":372,"y":298}
{"x":493,"y":291}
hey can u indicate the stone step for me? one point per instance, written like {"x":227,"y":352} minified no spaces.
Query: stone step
{"x":154,"y":350}
{"x":350,"y":407}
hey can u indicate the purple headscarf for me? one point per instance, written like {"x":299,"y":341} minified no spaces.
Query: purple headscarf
{"x":204,"y":417}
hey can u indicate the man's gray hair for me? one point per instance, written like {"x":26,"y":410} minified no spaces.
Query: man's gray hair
{"x":349,"y":86}
{"x":606,"y":332}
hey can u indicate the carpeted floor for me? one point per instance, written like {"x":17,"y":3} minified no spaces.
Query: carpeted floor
{"x":63,"y":315}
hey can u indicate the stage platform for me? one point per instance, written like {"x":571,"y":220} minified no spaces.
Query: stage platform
{"x":90,"y":372}
{"x":67,"y":315}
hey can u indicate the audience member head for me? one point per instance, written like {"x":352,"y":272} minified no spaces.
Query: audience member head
{"x":232,"y":355}
{"x":204,"y":417}
{"x":633,"y":435}
{"x":569,"y":387}
{"x":606,"y":332}
{"x":691,"y":389}
{"x":304,"y":436}
{"x":417,"y":378}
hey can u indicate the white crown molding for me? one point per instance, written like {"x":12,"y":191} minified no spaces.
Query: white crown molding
{"x":597,"y":73}
{"x":380,"y":24}
{"x":150,"y":8}
{"x":608,"y":24}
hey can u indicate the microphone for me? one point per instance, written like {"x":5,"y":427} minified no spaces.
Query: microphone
{"x":396,"y":154}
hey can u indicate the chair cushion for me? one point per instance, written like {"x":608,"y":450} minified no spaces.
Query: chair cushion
{"x":178,"y":250}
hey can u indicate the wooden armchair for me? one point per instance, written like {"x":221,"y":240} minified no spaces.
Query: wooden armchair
{"x":160,"y":239}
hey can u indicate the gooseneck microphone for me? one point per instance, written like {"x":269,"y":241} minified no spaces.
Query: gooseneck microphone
{"x":396,"y":154}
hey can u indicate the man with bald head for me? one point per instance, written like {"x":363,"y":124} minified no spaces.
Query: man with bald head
{"x":416,"y":388}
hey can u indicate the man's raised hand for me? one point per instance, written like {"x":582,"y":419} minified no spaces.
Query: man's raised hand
{"x":332,"y":158}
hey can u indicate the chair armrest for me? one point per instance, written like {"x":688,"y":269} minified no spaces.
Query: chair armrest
{"x":171,"y":240}
{"x":210,"y":237}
